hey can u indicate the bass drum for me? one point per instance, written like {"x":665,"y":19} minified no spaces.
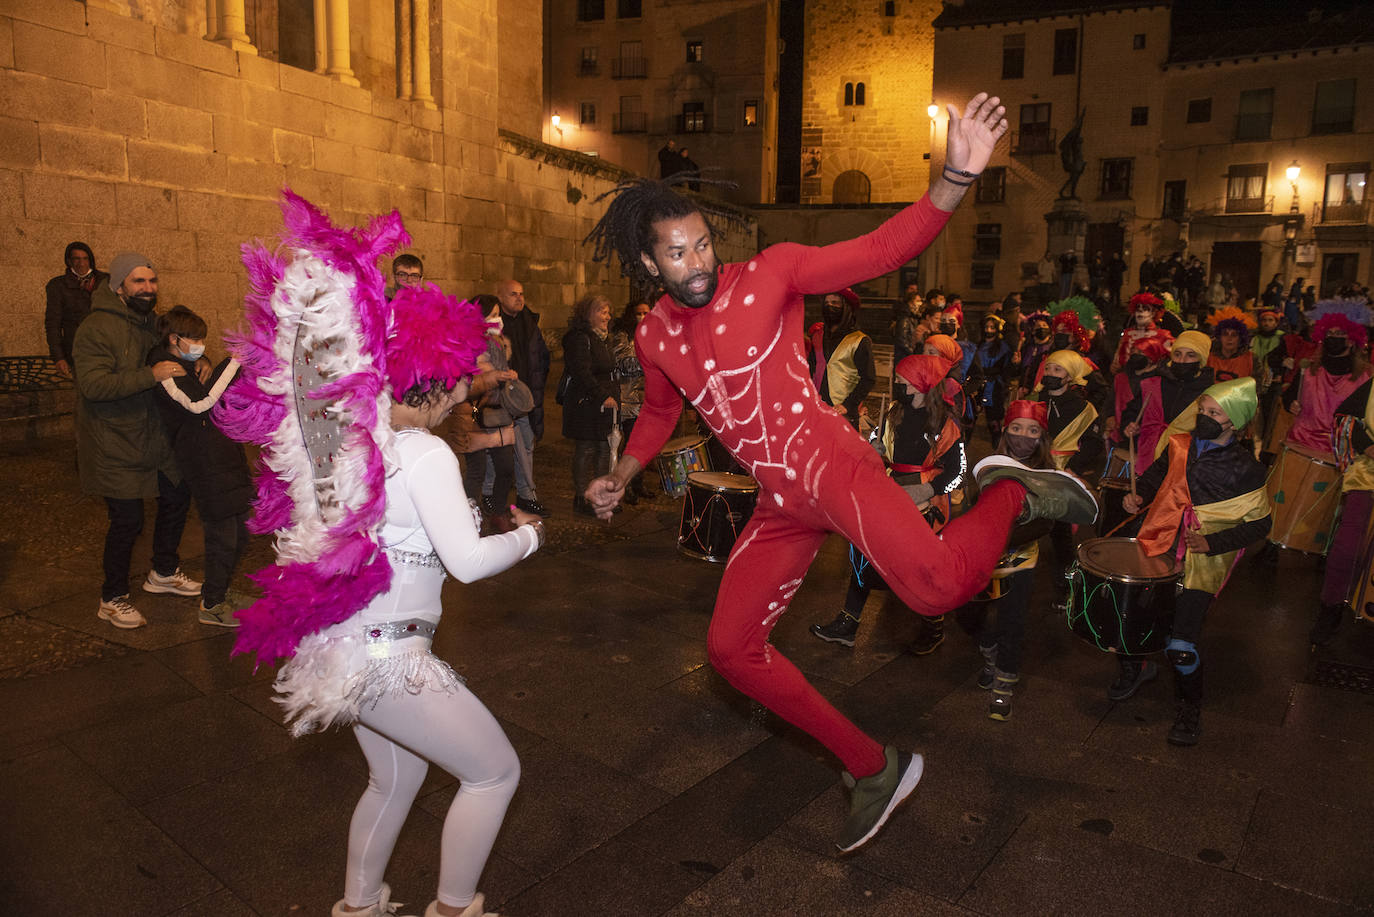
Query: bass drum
{"x":1120,"y":599}
{"x":717,"y":508}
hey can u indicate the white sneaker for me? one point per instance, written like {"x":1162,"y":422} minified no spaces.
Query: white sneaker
{"x":176,"y":583}
{"x":120,"y":613}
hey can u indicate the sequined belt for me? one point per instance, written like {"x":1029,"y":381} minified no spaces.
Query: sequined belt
{"x":414,"y":558}
{"x":394,"y":637}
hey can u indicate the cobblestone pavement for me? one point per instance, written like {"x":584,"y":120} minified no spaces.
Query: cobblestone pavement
{"x":147,"y":772}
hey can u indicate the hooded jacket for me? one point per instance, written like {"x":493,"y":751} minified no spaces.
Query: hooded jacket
{"x":121,"y":444}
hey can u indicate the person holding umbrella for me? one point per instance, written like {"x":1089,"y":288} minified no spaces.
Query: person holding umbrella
{"x":593,"y":398}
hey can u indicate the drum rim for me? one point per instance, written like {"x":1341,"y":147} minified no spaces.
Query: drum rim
{"x":687,"y":442}
{"x":1305,"y":452}
{"x":1129,"y":578}
{"x":751,"y":487}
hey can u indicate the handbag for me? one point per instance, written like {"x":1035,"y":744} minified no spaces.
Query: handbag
{"x":560,"y":394}
{"x":516,"y":397}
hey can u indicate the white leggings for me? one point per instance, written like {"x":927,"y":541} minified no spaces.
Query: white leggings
{"x":399,"y":737}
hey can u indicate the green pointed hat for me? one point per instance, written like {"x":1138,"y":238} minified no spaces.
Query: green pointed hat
{"x":1238,"y":398}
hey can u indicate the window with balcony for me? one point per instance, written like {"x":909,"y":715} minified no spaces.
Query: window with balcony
{"x":589,"y":64}
{"x":630,"y":119}
{"x":751,"y":113}
{"x":1334,"y":109}
{"x":1199,"y":111}
{"x":694,"y":52}
{"x":992,"y":185}
{"x":1140,"y":115}
{"x":1245,"y":187}
{"x":591,"y":10}
{"x":1344,"y":198}
{"x":587,"y":110}
{"x":1065,"y":51}
{"x":1116,"y":178}
{"x":630,"y":64}
{"x":1014,"y":56}
{"x":1255,"y":114}
{"x":693,"y":120}
{"x":629,"y":9}
{"x":1035,"y":134}
{"x":1175,"y":200}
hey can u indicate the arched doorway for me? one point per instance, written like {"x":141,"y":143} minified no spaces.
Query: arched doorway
{"x":852,"y":187}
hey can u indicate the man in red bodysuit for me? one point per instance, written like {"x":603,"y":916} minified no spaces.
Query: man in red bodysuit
{"x":729,"y":339}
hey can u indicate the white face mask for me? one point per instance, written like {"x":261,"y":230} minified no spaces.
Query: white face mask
{"x":495,"y":316}
{"x":193,"y":352}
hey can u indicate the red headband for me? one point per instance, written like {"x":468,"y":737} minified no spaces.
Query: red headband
{"x":1037,"y":411}
{"x":923,"y":372}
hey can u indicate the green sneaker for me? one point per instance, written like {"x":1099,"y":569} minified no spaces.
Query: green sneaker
{"x":873,"y":799}
{"x":1050,"y":493}
{"x":221,"y":615}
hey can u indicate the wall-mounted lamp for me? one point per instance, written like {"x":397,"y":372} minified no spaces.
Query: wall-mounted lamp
{"x":933,"y":110}
{"x":1293,"y":171}
{"x":554,"y":122}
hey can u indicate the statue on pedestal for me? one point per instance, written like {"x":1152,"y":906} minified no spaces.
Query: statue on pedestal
{"x":1071,"y":158}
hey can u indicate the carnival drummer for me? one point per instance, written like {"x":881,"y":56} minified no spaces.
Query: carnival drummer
{"x":1207,"y":500}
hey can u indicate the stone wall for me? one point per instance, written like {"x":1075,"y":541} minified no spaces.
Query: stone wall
{"x":128,"y":135}
{"x":888,"y":136}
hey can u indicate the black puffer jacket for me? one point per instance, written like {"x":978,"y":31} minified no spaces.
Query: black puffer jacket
{"x":212,"y":464}
{"x":589,"y":361}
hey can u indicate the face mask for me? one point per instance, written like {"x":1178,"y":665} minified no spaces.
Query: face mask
{"x":1333,"y":346}
{"x":1055,"y":383}
{"x":1337,"y":366}
{"x":194,"y":353}
{"x":1206,"y":428}
{"x":832,"y":314}
{"x":1186,"y":370}
{"x":1042,"y":334}
{"x":1136,"y":362}
{"x":1061,"y":342}
{"x":1021,"y":447}
{"x":949,"y":328}
{"x":142,"y":303}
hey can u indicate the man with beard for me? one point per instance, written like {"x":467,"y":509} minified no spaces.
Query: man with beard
{"x":122,"y":451}
{"x":841,"y":356}
{"x":1165,"y":403}
{"x":727,"y":337}
{"x":69,"y":302}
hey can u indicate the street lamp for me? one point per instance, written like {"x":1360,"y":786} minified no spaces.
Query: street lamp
{"x":1290,"y":225}
{"x":933,"y":111}
{"x":555,"y":121}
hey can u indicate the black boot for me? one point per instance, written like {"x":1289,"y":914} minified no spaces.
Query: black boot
{"x":1187,"y":728}
{"x":1133,"y":673}
{"x":841,"y":630}
{"x":931,"y":634}
{"x":1327,"y":623}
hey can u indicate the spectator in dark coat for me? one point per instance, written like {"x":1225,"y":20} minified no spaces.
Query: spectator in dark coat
{"x":529,"y":357}
{"x":593,"y":395}
{"x":69,"y":301}
{"x":211,"y":463}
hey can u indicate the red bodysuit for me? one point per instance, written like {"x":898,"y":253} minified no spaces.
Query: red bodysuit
{"x":740,"y":361}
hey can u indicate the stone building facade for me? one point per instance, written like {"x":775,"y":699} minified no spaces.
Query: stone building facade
{"x":866,"y":131}
{"x":145,"y":127}
{"x":626,"y":76}
{"x":1187,"y":138}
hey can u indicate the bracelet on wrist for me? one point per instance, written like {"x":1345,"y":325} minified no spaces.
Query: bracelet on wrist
{"x":538,"y":526}
{"x":962,"y":173}
{"x":955,"y":181}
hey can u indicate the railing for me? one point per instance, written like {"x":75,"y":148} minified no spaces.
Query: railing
{"x":1344,"y":213}
{"x":1250,"y":204}
{"x":589,"y":68}
{"x":1036,"y":140}
{"x":629,"y":122}
{"x":629,"y":68}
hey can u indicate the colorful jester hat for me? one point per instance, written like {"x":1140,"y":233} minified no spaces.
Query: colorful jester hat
{"x":1079,"y":318}
{"x":313,"y":394}
{"x":1353,"y":316}
{"x":1233,"y":318}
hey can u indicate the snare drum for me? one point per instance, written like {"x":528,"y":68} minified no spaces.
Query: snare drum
{"x":679,"y":458}
{"x":1112,"y":487}
{"x":717,"y":507}
{"x":1120,"y":599}
{"x":1304,"y":489}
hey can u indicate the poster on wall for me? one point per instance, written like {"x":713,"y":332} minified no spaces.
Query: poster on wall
{"x":1307,"y":253}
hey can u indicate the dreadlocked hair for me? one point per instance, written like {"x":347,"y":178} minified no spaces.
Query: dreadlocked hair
{"x":627,"y":227}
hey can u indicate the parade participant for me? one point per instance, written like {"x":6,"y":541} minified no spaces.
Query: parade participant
{"x":992,"y":367}
{"x":906,"y":318}
{"x":1347,"y":578}
{"x":1074,"y":425}
{"x":1267,"y":347}
{"x":841,"y":356}
{"x":942,"y":345}
{"x":1036,"y":345}
{"x":1145,"y":357}
{"x":723,"y":335}
{"x":1146,"y":310}
{"x":1166,"y":397}
{"x":922,"y":444}
{"x":952,"y":326}
{"x":342,"y":391}
{"x":1231,"y":357}
{"x":1026,"y":439}
{"x":1207,"y":501}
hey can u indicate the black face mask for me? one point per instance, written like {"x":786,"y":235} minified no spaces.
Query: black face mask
{"x":1021,"y":447}
{"x":1186,"y":370}
{"x":1136,"y":362}
{"x":1055,"y":384}
{"x":1206,"y":428}
{"x":1337,"y":366}
{"x":949,"y":328}
{"x":832,"y":315}
{"x":1061,"y":342}
{"x":1333,"y":346}
{"x":1042,"y":334}
{"x":142,"y":303}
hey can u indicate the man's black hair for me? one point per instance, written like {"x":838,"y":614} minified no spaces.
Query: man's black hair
{"x":407,"y":261}
{"x":627,"y":227}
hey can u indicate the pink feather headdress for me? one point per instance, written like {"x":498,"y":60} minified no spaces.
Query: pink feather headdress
{"x":433,"y":338}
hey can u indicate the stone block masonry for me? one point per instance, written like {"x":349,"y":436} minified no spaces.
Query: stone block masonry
{"x":129,"y":135}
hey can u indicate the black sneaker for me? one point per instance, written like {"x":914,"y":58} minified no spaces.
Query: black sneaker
{"x":931,"y":636}
{"x":999,"y":708}
{"x":533,"y":506}
{"x":841,"y":630}
{"x":1187,"y":728}
{"x":989,"y":672}
{"x":1133,"y":674}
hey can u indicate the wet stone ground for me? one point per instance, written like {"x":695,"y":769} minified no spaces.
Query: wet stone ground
{"x":147,"y":772}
